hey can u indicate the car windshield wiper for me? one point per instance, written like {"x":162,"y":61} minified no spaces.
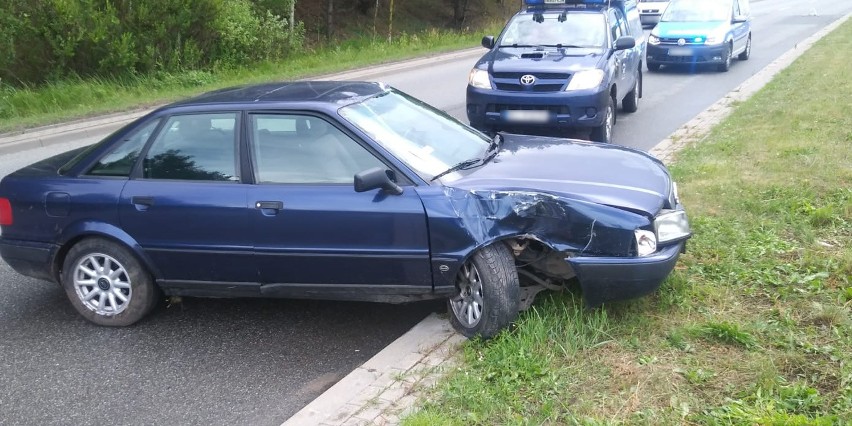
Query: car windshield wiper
{"x":494,"y":147}
{"x":466,"y":164}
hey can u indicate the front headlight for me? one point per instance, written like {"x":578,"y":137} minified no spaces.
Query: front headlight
{"x":646,"y":242}
{"x":479,"y":78}
{"x":652,"y":39}
{"x":586,"y":79}
{"x":714,"y":39}
{"x":671,"y":225}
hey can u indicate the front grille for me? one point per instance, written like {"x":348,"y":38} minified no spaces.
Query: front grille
{"x":688,"y":40}
{"x":538,"y":75}
{"x":538,"y":87}
{"x":544,"y":81}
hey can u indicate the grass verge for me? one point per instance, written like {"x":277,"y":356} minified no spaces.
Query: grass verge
{"x":27,"y":107}
{"x":752,"y":328}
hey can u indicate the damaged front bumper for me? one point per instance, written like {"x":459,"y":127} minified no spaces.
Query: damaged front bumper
{"x":607,"y":279}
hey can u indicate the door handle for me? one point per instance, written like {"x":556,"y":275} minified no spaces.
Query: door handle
{"x":269,"y":205}
{"x":142,"y":203}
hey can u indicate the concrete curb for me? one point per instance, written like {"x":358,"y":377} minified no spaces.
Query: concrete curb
{"x":386,"y":387}
{"x":78,"y":129}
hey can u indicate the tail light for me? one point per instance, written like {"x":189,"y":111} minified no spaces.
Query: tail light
{"x":5,"y":212}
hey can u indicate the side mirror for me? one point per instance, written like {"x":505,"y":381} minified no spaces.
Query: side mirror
{"x":488,"y":42}
{"x":625,"y":42}
{"x":376,"y":178}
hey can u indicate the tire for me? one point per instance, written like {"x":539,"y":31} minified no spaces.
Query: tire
{"x":488,"y":293}
{"x":653,"y":66}
{"x":745,"y":54}
{"x":726,"y":59}
{"x":603,"y":133}
{"x":630,"y":103}
{"x":89,"y":288}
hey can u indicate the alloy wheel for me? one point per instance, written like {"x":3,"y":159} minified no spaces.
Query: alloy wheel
{"x":102,"y":284}
{"x":468,"y":304}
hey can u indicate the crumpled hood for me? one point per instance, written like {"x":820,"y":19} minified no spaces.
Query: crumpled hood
{"x":605,"y":174}
{"x":550,"y":60}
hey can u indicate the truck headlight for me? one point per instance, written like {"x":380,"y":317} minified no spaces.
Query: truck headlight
{"x":479,"y":78}
{"x":586,"y":79}
{"x":646,"y":242}
{"x":671,"y":225}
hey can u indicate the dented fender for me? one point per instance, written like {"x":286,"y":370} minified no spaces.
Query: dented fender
{"x":463,"y":220}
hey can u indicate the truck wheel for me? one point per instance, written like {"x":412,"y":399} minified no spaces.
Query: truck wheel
{"x":488,"y":293}
{"x":603,"y":133}
{"x":107,"y":284}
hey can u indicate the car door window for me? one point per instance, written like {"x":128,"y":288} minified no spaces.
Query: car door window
{"x":737,"y":12}
{"x":302,"y":149}
{"x":120,"y":160}
{"x":195,"y":147}
{"x":614,"y":28}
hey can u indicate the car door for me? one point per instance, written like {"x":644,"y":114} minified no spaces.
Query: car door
{"x":621,"y":57}
{"x":186,"y":206}
{"x":313,"y":232}
{"x":738,"y":27}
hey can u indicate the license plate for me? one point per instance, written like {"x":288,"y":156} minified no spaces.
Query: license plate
{"x":524,"y":116}
{"x":680,"y":51}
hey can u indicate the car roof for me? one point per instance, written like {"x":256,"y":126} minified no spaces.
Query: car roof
{"x":330,"y":92}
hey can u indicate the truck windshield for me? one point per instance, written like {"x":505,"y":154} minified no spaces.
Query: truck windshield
{"x":577,"y":30}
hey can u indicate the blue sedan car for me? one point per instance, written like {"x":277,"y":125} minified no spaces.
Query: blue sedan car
{"x":338,"y":190}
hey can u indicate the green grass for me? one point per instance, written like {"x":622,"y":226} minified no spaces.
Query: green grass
{"x":753,"y":326}
{"x":76,"y":98}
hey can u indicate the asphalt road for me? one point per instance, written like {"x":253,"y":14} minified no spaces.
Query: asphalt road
{"x":259,"y":361}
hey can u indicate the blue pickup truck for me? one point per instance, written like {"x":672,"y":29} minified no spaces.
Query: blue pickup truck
{"x":557,"y":65}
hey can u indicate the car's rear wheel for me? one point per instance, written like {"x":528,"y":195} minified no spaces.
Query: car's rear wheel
{"x":745,"y":54}
{"x":487,"y":295}
{"x":630,"y":103}
{"x":726,"y":59}
{"x":603,"y":133}
{"x":107,"y":284}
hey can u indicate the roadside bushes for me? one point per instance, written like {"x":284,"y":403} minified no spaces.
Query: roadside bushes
{"x":47,"y":40}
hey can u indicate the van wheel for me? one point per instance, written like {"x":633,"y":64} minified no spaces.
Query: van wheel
{"x":630,"y":103}
{"x":745,"y":54}
{"x":488,"y":293}
{"x":107,"y":284}
{"x":603,"y":133}
{"x":726,"y":59}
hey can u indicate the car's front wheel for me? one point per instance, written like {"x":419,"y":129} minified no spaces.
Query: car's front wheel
{"x":488,"y":293}
{"x":107,"y":284}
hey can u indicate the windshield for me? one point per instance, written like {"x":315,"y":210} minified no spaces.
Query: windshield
{"x":426,"y":139}
{"x":577,"y":30}
{"x":697,"y":11}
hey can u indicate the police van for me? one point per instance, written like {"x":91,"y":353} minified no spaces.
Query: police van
{"x":558,"y":65}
